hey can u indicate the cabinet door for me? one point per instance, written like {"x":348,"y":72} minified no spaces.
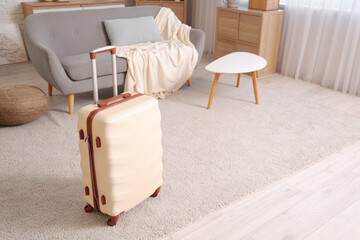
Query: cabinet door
{"x":227,"y":25}
{"x":224,"y":47}
{"x":177,"y":8}
{"x":242,"y":47}
{"x":250,"y":28}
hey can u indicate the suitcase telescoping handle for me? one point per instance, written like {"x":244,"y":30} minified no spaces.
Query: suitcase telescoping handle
{"x":112,"y":50}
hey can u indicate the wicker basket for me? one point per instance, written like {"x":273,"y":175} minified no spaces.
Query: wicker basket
{"x":21,"y":104}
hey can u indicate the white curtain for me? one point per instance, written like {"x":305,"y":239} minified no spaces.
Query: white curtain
{"x":204,"y":17}
{"x":321,"y":43}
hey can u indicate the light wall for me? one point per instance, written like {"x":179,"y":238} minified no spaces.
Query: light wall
{"x":11,"y":11}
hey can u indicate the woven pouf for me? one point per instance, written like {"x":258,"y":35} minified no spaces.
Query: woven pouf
{"x":21,"y":104}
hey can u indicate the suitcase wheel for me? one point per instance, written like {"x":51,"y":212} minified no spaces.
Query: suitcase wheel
{"x":88,"y":208}
{"x":113,"y":220}
{"x":156,"y":192}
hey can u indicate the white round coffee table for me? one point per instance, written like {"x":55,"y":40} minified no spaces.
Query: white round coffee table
{"x":236,"y":63}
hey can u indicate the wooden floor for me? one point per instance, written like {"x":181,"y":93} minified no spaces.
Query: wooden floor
{"x":321,"y":202}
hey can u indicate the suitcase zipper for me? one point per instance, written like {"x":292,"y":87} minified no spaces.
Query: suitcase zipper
{"x":89,"y":137}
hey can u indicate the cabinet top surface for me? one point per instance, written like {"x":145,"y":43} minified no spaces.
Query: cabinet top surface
{"x":237,"y":62}
{"x":247,"y":10}
{"x":72,"y":2}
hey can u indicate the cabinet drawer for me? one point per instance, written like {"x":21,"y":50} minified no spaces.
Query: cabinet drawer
{"x":242,"y":47}
{"x":224,"y":47}
{"x":227,"y":25}
{"x":177,"y":8}
{"x":249,"y":28}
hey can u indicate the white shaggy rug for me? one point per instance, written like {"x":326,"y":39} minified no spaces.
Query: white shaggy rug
{"x":211,"y":158}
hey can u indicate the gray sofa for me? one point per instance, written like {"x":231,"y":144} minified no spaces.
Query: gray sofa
{"x":59,"y":43}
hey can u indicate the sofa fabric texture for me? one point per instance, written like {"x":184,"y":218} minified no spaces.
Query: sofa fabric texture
{"x":54,"y":39}
{"x":78,"y":67}
{"x":130,"y":31}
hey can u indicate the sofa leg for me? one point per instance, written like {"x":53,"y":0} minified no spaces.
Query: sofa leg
{"x":49,"y":89}
{"x":189,"y":82}
{"x":71,"y":103}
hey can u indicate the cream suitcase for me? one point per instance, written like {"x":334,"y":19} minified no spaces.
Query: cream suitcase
{"x":121,"y":152}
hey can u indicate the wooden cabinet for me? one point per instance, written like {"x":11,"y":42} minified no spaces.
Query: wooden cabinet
{"x":229,"y":25}
{"x":153,"y":3}
{"x":247,"y":30}
{"x":37,"y":7}
{"x":178,"y":7}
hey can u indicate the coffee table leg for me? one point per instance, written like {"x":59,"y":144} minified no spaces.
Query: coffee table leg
{"x":238,"y":81}
{"x":216,"y":78}
{"x":254,"y":79}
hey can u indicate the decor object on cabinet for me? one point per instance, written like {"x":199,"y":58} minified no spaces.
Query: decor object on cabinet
{"x":264,"y":4}
{"x":231,"y":3}
{"x":178,"y":7}
{"x":21,"y":104}
{"x":246,"y":30}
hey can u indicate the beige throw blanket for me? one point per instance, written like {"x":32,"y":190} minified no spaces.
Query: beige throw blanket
{"x":160,"y":68}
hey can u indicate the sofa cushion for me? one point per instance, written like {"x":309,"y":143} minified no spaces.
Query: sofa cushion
{"x":129,"y":31}
{"x":78,"y":67}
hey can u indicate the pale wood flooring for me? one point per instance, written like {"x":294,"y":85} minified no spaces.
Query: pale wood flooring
{"x":321,"y":202}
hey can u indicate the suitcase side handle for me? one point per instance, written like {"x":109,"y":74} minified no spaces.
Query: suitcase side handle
{"x":113,"y":99}
{"x":93,"y":53}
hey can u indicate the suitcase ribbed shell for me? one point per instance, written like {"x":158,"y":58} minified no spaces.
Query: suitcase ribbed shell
{"x":128,"y":165}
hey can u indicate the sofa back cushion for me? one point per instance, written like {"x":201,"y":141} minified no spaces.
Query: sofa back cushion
{"x":75,"y":32}
{"x":129,"y":31}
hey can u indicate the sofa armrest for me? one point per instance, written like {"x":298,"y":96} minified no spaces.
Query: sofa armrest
{"x":48,"y":65}
{"x":197,"y":37}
